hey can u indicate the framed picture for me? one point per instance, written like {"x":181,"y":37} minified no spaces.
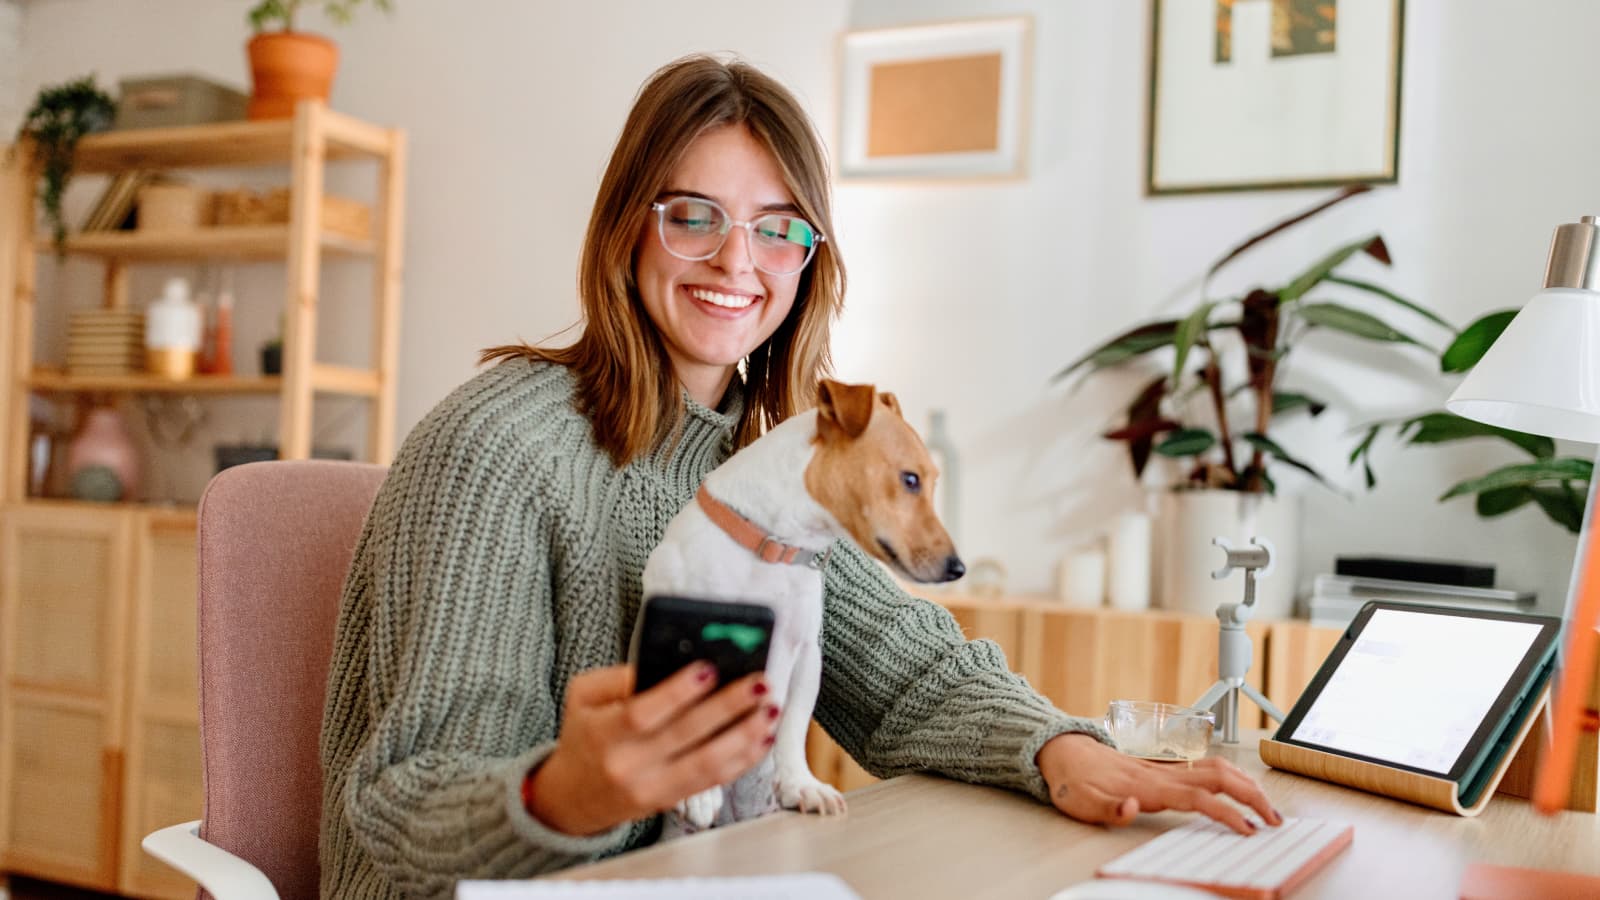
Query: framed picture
{"x":939,"y":100}
{"x":1251,"y":94}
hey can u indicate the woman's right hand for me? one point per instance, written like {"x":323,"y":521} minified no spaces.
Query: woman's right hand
{"x":621,"y":756}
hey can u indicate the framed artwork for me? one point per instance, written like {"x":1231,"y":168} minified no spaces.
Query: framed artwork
{"x":947,"y":99}
{"x":1252,"y":94}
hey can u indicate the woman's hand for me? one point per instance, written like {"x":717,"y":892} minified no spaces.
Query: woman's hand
{"x":1094,"y":783}
{"x":622,"y":756}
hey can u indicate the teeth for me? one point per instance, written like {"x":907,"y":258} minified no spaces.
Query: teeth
{"x":727,"y":301}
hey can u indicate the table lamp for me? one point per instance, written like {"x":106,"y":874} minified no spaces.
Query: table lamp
{"x":1542,"y":376}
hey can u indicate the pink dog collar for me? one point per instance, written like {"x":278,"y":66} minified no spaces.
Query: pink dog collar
{"x":752,"y":537}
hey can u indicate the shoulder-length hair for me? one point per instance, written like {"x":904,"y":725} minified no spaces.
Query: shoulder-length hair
{"x":626,"y":386}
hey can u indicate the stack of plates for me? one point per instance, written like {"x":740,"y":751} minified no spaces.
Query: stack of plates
{"x":105,"y":342}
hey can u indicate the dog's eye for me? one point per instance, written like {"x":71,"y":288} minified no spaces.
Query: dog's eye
{"x":911,"y":481}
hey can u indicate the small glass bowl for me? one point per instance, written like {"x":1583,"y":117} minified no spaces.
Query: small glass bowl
{"x":1160,"y":731}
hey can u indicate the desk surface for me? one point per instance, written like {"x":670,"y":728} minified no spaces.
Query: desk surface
{"x":921,"y":836}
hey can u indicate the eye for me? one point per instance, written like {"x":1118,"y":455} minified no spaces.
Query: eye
{"x":912,"y":482}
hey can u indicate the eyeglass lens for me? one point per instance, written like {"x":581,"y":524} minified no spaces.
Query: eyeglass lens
{"x":694,"y":228}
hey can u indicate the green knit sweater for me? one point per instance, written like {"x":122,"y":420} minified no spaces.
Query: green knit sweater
{"x":502,"y":557}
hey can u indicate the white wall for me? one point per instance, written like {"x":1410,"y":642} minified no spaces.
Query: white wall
{"x":962,"y":297}
{"x":11,"y":94}
{"x":971,"y":297}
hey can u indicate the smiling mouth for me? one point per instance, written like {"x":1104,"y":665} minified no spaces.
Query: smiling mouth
{"x":725,"y":301}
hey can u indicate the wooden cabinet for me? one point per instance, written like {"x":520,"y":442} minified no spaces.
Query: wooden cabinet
{"x":99,"y":710}
{"x":1082,"y":659}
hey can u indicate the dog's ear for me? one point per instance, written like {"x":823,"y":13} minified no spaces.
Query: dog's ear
{"x":843,"y":408}
{"x":889,"y":400}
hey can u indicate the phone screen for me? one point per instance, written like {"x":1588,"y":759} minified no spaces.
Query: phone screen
{"x":676,"y":631}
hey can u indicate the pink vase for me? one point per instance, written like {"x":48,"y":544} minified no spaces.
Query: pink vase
{"x":102,"y":461}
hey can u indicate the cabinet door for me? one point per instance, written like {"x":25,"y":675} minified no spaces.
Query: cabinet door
{"x":64,"y":584}
{"x":163,"y":784}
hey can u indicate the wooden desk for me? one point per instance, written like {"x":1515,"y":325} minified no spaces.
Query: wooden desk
{"x":926,"y":837}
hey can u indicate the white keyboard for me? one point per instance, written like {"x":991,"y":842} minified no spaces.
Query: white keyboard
{"x":1268,"y":864}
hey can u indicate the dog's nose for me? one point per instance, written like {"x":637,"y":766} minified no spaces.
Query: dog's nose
{"x":953,"y":567}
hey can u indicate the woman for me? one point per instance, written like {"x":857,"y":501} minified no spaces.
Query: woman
{"x":478,"y":723}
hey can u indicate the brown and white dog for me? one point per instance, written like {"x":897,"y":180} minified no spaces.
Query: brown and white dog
{"x":759,"y":532}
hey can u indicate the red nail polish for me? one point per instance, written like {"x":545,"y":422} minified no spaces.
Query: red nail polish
{"x":769,"y":740}
{"x":772,"y":712}
{"x":707,"y":670}
{"x":760,"y":688}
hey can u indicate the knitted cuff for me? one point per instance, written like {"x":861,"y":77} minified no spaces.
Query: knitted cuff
{"x":541,"y":835}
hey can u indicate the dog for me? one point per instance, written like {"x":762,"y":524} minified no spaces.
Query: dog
{"x":760,"y":530}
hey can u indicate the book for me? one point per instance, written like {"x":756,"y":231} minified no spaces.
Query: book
{"x":1399,"y":568}
{"x":1335,"y":599}
{"x":801,"y":886}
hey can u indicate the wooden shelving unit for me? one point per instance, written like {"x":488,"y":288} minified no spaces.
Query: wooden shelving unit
{"x":98,"y":687}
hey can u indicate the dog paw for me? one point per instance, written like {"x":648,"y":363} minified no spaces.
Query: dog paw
{"x":701,"y":809}
{"x":806,"y":794}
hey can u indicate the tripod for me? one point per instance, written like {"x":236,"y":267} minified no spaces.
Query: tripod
{"x":1233,"y":645}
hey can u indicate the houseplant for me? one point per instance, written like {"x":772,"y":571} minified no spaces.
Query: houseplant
{"x":288,"y":65}
{"x":1559,"y":486}
{"x":1227,"y":360}
{"x":60,"y":115}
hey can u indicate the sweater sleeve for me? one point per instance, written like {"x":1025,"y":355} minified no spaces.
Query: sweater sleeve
{"x":447,"y":619}
{"x":903,"y":690}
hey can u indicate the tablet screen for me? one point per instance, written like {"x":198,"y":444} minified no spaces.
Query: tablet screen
{"x":1414,"y":687}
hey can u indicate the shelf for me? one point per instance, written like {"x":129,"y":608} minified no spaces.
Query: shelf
{"x":324,"y":379}
{"x":259,"y":242}
{"x":223,"y":144}
{"x":177,"y":512}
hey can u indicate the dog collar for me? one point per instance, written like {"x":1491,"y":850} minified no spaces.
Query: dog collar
{"x":754,"y":538}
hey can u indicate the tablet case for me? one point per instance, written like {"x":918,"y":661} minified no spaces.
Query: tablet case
{"x":1415,"y":787}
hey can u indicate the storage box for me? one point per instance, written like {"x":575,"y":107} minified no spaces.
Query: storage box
{"x":177,"y":100}
{"x":173,"y":207}
{"x":340,"y":215}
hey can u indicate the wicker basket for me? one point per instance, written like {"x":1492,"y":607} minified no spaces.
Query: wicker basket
{"x":340,"y":215}
{"x":173,"y":207}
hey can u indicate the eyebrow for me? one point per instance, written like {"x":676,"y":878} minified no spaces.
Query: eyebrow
{"x":765,"y":208}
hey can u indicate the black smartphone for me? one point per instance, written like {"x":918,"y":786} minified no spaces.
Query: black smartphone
{"x":676,"y":631}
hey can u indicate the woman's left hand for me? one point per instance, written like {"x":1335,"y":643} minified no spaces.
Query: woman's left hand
{"x":1094,"y":783}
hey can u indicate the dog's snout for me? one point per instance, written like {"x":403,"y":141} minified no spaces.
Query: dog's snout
{"x":953,"y":567}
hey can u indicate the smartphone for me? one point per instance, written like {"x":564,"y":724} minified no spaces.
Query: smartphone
{"x":676,"y":631}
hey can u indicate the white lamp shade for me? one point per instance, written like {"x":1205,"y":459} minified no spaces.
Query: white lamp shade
{"x":1542,"y":375}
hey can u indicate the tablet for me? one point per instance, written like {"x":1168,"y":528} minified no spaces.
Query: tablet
{"x":1426,"y":689}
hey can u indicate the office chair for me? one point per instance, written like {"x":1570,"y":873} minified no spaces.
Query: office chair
{"x":275,"y":541}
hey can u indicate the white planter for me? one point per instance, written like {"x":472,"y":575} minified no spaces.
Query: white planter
{"x":1187,"y":522}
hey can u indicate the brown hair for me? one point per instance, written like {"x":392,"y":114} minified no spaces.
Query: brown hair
{"x":625,"y":382}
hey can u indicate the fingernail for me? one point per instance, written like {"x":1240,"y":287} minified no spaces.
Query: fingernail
{"x":769,"y":740}
{"x":1277,"y":817}
{"x":706,"y":671}
{"x":760,"y":688}
{"x":772,"y":712}
{"x":1249,"y":827}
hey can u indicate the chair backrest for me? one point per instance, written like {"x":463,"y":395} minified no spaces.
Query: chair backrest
{"x":275,"y":541}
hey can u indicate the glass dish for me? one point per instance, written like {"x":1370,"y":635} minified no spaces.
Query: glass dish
{"x":1160,"y":731}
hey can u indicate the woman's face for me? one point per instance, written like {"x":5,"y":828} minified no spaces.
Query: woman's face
{"x":712,"y":313}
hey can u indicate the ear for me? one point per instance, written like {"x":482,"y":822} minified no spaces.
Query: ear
{"x":889,"y":400}
{"x":843,"y":408}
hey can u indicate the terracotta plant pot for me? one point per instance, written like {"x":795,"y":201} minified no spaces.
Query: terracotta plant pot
{"x":287,"y":67}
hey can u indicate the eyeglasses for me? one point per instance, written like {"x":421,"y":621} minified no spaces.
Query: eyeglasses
{"x":695,"y":228}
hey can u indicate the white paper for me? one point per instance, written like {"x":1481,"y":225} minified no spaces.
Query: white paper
{"x":804,"y":886}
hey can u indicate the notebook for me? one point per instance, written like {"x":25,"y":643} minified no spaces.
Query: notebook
{"x":804,"y":886}
{"x":1263,"y":866}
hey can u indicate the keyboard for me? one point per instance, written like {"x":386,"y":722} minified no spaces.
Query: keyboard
{"x":1207,"y":855}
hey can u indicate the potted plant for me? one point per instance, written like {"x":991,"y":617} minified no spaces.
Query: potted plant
{"x":288,"y":65}
{"x":1558,"y":485}
{"x":60,"y":115}
{"x":1217,"y":420}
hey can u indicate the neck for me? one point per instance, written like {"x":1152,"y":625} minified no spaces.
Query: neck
{"x":765,"y":483}
{"x":706,"y":384}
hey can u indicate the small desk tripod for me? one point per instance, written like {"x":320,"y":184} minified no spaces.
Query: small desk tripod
{"x":1233,"y":645}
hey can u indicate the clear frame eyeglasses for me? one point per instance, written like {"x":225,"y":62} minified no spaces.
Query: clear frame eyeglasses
{"x":695,"y":228}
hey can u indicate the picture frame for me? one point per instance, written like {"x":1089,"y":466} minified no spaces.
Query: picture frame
{"x":1273,"y":94}
{"x":936,"y":100}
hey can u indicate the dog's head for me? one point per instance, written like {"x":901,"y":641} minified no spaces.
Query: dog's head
{"x":872,"y":472}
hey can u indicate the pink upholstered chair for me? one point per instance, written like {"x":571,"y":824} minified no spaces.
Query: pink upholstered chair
{"x":275,"y":540}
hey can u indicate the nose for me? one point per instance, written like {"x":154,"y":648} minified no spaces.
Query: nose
{"x":953,"y":568}
{"x":734,"y":257}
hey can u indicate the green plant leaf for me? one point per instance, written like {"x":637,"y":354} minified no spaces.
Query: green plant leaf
{"x":1562,"y":504}
{"x":1288,"y":401}
{"x":1525,"y":475}
{"x":1269,"y":446}
{"x":1443,"y":427}
{"x":1469,"y":346}
{"x":1125,"y":346}
{"x":1187,"y":332}
{"x":1373,"y":246}
{"x":1187,"y":442}
{"x":1353,"y":322}
{"x":1503,"y":500}
{"x":1392,"y":297}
